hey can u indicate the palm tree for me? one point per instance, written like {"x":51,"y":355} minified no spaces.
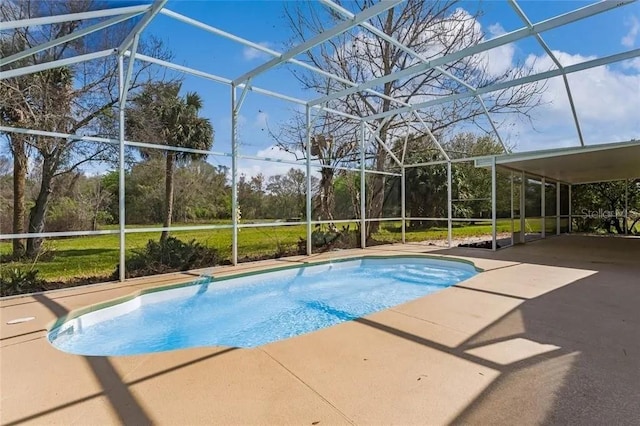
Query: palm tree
{"x":159,"y":114}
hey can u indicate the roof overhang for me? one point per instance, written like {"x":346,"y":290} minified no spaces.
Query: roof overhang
{"x":593,"y":163}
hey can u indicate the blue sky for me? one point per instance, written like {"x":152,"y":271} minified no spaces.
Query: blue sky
{"x":262,"y":22}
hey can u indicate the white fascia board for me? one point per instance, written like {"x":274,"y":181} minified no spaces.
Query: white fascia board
{"x":550,"y":153}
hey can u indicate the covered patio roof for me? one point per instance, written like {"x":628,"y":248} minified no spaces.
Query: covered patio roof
{"x":594,"y":163}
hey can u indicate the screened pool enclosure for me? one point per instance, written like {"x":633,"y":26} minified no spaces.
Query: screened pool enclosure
{"x":522,"y":196}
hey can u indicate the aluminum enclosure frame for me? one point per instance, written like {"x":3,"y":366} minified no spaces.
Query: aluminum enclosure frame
{"x":367,"y":125}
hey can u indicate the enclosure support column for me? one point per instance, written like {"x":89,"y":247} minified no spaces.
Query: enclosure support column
{"x":543,"y":208}
{"x":570,"y":202}
{"x":626,"y":206}
{"x":557,"y":208}
{"x":403,"y":204}
{"x":449,"y":207}
{"x":308,"y":156}
{"x":512,"y":223}
{"x":523,"y":209}
{"x":363,"y":189}
{"x":121,"y":176}
{"x":124,"y":77}
{"x":494,"y":236}
{"x":234,"y":177}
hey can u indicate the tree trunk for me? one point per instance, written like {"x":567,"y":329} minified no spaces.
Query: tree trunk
{"x":616,"y":223}
{"x":98,"y":200}
{"x":377,"y":191}
{"x":19,"y":184}
{"x":327,"y":196}
{"x":377,"y":196}
{"x":39,"y":210}
{"x":168,"y":200}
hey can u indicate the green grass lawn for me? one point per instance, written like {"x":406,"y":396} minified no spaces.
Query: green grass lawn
{"x":74,"y":257}
{"x":392,"y":231}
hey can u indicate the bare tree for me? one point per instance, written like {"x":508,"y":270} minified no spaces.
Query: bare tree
{"x":430,"y":28}
{"x":333,"y":143}
{"x":96,"y":198}
{"x":76,"y":99}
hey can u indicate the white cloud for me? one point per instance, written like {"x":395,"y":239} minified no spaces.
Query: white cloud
{"x":631,"y":64}
{"x":607,"y":98}
{"x":496,"y":30}
{"x":269,"y":168}
{"x":607,"y":101}
{"x":498,"y":61}
{"x":249,"y":53}
{"x":261,"y":120}
{"x":629,"y":40}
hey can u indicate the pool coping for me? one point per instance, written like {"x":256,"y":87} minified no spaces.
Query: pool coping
{"x":440,"y":357}
{"x":60,"y":321}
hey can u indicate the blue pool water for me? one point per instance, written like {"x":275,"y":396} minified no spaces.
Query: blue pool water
{"x":254,"y":310}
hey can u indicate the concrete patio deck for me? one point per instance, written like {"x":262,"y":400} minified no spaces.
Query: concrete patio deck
{"x":550,"y":333}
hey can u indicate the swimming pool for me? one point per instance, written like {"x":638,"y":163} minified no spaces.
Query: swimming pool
{"x":256,"y":309}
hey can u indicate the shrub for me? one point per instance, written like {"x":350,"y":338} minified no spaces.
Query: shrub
{"x":66,"y":214}
{"x":17,"y":281}
{"x":328,"y":239}
{"x":169,"y":255}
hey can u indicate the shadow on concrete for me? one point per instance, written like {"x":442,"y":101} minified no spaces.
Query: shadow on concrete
{"x":122,"y":401}
{"x":591,"y":374}
{"x":62,"y":294}
{"x":124,"y":404}
{"x":22,"y":334}
{"x":593,"y":377}
{"x":126,"y":415}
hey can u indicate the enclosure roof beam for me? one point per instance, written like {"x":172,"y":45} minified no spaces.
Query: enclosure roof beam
{"x":69,"y":37}
{"x":54,"y":64}
{"x":55,"y":19}
{"x":223,"y":80}
{"x":155,"y":8}
{"x":71,"y":137}
{"x":516,"y":82}
{"x":413,"y":53}
{"x":268,"y":51}
{"x":431,"y":136}
{"x":382,"y":143}
{"x":493,"y":124}
{"x":406,"y":140}
{"x":367,"y":13}
{"x":299,"y":101}
{"x":480,"y":101}
{"x":124,"y":87}
{"x":523,"y":16}
{"x":243,"y":96}
{"x":96,"y":139}
{"x":394,"y":42}
{"x":180,"y":68}
{"x":511,"y":37}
